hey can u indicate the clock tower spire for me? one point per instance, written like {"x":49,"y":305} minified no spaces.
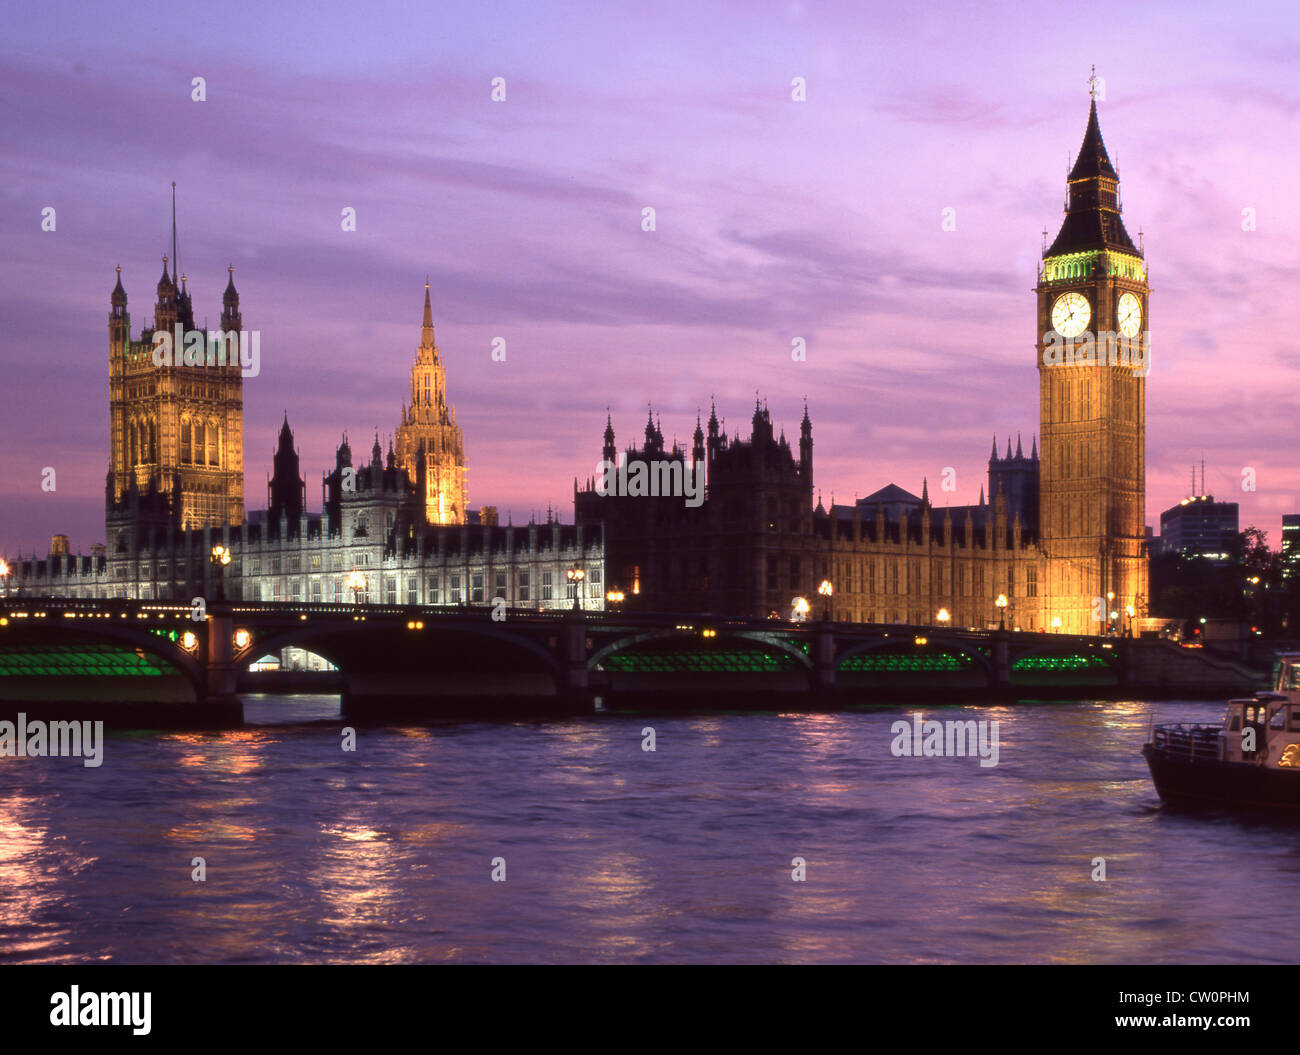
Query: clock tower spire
{"x":1093,"y":354}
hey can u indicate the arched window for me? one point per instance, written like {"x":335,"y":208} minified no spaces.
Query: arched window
{"x":186,"y":450}
{"x":198,"y":443}
{"x":153,"y":441}
{"x":213,"y":446}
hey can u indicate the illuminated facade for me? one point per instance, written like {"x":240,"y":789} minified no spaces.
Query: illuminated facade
{"x":1092,"y":483}
{"x":176,"y":432}
{"x":429,"y":444}
{"x":393,"y":530}
{"x":1062,"y":537}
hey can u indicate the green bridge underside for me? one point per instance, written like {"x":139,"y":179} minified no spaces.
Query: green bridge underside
{"x":87,"y":660}
{"x":757,"y":661}
{"x":721,"y":661}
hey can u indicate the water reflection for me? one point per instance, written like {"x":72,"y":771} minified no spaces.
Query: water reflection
{"x":612,"y":853}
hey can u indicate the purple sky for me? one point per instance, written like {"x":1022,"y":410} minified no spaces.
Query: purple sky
{"x":775,"y":220}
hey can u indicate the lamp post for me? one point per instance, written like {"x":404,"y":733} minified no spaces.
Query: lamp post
{"x":826,"y":590}
{"x":220,"y":558}
{"x":575,"y":575}
{"x":1056,"y":624}
{"x":356,"y":583}
{"x":1001,"y":602}
{"x":4,"y":578}
{"x":943,"y":617}
{"x":1130,"y":613}
{"x":615,"y":599}
{"x":799,"y":609}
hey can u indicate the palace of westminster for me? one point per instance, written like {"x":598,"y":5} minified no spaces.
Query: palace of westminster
{"x":1061,"y":537}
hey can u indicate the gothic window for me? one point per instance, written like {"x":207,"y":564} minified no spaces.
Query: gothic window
{"x":212,"y":444}
{"x":153,"y":441}
{"x":524,"y":586}
{"x":1031,"y":581}
{"x":547,"y":584}
{"x":186,"y":454}
{"x":198,"y":443}
{"x":476,"y":588}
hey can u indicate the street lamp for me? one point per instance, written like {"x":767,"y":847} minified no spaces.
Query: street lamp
{"x":826,"y":590}
{"x":943,"y":616}
{"x":4,"y":577}
{"x":356,"y":583}
{"x":615,"y":598}
{"x":799,"y":609}
{"x":220,"y":558}
{"x":575,"y":575}
{"x":1130,"y":613}
{"x":1056,"y":623}
{"x":1001,"y":602}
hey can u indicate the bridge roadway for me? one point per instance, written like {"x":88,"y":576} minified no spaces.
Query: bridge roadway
{"x":413,"y":660}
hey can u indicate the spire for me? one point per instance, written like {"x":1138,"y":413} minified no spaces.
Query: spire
{"x":981,"y":494}
{"x":1093,"y":159}
{"x":231,"y":297}
{"x":1034,"y":453}
{"x":118,"y":297}
{"x":1092,"y":218}
{"x":1008,"y":447}
{"x":993,"y":454}
{"x":925,"y":490}
{"x":175,"y":253}
{"x":1019,"y":450}
{"x":426,"y":328}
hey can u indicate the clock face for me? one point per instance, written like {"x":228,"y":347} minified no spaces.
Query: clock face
{"x":1070,"y":314}
{"x":1130,"y":315}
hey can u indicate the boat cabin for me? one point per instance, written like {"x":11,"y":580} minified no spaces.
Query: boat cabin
{"x":1274,"y":718}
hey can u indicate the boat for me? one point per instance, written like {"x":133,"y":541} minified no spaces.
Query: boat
{"x":1251,"y":759}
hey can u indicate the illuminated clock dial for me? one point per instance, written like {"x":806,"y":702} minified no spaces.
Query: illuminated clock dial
{"x":1071,"y":314}
{"x":1130,"y":315}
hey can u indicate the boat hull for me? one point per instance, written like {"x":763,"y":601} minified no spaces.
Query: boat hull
{"x":1211,"y":782}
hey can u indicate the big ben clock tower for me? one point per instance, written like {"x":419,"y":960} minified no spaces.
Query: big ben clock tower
{"x":1093,"y":356}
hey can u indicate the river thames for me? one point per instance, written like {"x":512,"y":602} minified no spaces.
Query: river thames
{"x":612,"y":853}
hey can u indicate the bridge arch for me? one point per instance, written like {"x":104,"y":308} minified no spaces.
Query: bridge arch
{"x":902,"y":643}
{"x":174,"y":661}
{"x":775,"y":641}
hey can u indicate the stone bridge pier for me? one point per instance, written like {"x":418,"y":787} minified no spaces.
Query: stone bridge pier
{"x":222,"y":674}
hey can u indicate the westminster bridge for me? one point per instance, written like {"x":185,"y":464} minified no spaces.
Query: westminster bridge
{"x":137,"y":657}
